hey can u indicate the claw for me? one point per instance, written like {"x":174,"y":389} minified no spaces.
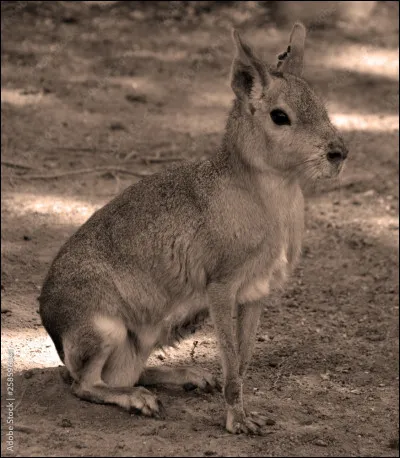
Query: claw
{"x":258,"y":419}
{"x":251,"y":424}
{"x":162,"y":413}
{"x":218,"y":386}
{"x":208,"y":388}
{"x":135,"y":411}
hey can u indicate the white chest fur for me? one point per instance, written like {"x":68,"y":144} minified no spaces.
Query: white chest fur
{"x":260,"y":283}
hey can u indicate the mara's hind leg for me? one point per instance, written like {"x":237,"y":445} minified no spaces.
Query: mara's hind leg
{"x":189,"y":377}
{"x":104,"y":364}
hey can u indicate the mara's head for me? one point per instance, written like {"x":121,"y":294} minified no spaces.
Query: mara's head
{"x":290,"y":127}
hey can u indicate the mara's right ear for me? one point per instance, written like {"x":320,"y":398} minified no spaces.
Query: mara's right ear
{"x":291,"y":61}
{"x":248,"y":75}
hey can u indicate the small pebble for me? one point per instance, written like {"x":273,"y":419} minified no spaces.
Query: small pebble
{"x":273,"y":363}
{"x":117,"y":126}
{"x":307,"y":422}
{"x":5,"y":310}
{"x":27,"y":238}
{"x":259,"y":393}
{"x":320,"y":443}
{"x":368,"y":193}
{"x":69,"y":19}
{"x":136,"y":98}
{"x":65,"y":423}
{"x":293,"y":304}
{"x":270,"y":422}
{"x":209,"y":453}
{"x":28,"y":374}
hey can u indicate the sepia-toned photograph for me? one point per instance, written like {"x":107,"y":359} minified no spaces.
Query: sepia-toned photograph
{"x":200,"y":228}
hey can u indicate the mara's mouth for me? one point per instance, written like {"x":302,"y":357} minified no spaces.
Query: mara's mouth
{"x":319,"y":167}
{"x":332,"y":170}
{"x":323,"y":170}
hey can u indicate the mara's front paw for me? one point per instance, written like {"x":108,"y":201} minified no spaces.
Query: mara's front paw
{"x":238,"y":422}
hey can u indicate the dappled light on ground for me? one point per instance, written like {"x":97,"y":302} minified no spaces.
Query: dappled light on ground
{"x":365,"y":122}
{"x":33,"y":348}
{"x":65,"y":209}
{"x":19,"y":98}
{"x":365,"y":59}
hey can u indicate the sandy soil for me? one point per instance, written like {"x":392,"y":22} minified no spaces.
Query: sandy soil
{"x":109,"y":89}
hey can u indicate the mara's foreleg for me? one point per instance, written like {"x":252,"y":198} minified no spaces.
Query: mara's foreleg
{"x":222,"y":304}
{"x":247,"y":321}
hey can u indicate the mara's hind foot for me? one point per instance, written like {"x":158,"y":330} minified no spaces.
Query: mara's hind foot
{"x":188,"y":377}
{"x":239,"y":422}
{"x":136,"y":400}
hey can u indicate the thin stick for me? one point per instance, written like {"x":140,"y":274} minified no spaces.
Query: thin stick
{"x":193,"y":349}
{"x":117,"y":182}
{"x":17,"y":166}
{"x":24,"y":428}
{"x":132,"y":154}
{"x":21,"y":398}
{"x":159,"y":160}
{"x":89,"y":170}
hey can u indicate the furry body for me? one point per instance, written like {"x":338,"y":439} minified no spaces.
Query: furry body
{"x":209,"y":237}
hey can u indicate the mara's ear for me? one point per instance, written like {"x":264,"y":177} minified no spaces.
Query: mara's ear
{"x":291,"y":61}
{"x":249,"y":75}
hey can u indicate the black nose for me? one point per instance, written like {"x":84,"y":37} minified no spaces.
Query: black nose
{"x":336,"y":156}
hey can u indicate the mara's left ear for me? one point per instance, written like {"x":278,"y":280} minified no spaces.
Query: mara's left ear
{"x":248,"y":76}
{"x":291,"y":61}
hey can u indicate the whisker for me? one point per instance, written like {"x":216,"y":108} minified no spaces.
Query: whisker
{"x":306,"y":168}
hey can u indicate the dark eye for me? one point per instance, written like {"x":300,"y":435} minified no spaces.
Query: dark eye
{"x":280,"y":118}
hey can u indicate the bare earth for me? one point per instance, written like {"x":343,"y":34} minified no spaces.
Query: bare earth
{"x":112,"y":90}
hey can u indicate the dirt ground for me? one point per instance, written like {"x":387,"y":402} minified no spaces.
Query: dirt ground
{"x":94,"y":96}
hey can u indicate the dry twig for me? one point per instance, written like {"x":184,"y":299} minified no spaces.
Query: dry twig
{"x":193,"y":349}
{"x":17,"y":166}
{"x":106,"y":168}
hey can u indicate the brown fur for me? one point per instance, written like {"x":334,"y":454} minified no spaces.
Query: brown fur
{"x":215,"y":236}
